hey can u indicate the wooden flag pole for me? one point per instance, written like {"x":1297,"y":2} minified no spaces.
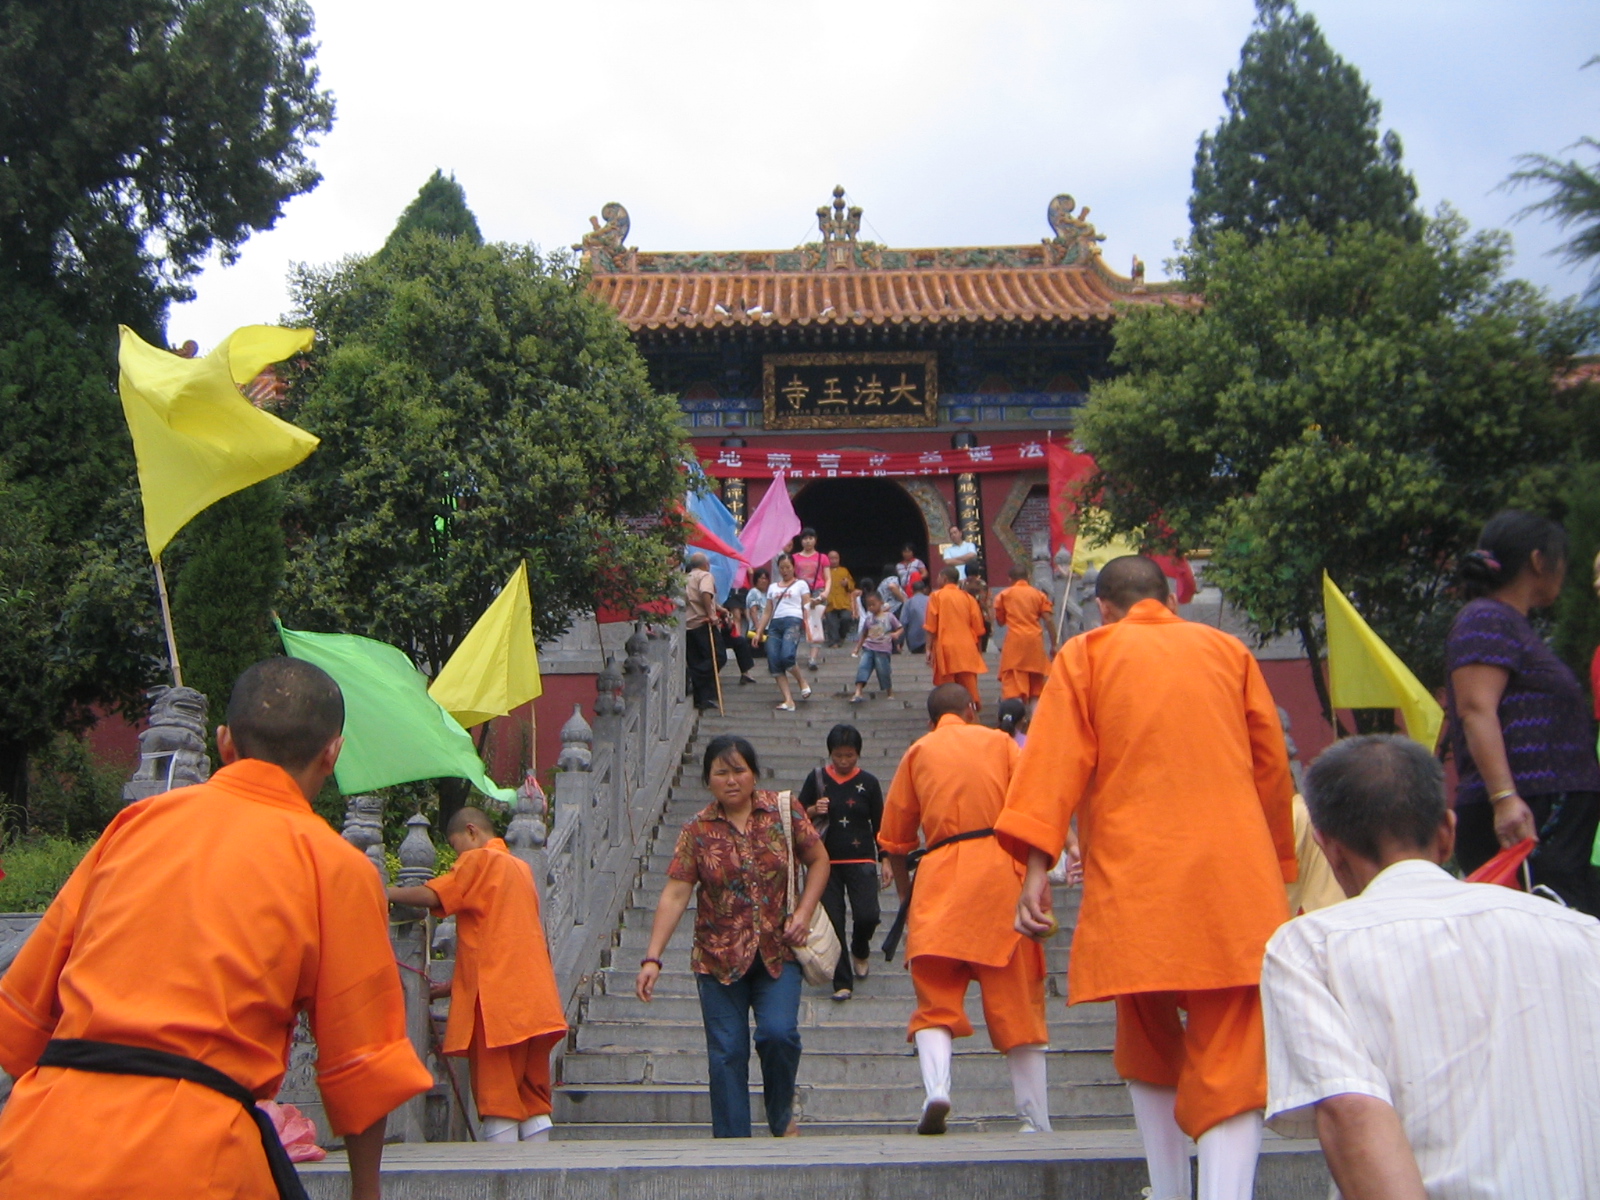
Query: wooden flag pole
{"x":166,"y":620}
{"x":716,"y":673}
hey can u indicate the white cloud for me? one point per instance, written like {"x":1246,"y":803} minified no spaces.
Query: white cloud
{"x":724,"y":125}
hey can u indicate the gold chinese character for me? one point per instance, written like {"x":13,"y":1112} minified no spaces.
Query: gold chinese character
{"x":869,"y":394}
{"x":905,"y":390}
{"x":795,"y":392}
{"x":831,"y":395}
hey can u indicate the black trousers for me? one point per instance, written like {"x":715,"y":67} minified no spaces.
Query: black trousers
{"x":859,"y":881}
{"x":1566,"y":822}
{"x":742,"y":654}
{"x":836,"y":625}
{"x":701,"y":669}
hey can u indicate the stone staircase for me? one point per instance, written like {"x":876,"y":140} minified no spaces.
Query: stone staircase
{"x":633,"y":1070}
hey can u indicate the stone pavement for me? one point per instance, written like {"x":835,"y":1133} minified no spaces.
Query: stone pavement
{"x":1095,"y":1165}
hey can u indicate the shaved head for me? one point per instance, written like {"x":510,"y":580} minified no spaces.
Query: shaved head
{"x":285,"y":711}
{"x":1021,"y":570}
{"x":950,"y":574}
{"x":948,"y":699}
{"x":469,"y":816}
{"x":1125,"y":581}
{"x":698,"y":562}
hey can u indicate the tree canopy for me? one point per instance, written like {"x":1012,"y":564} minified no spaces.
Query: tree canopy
{"x":1358,"y":403}
{"x":138,"y":135}
{"x":440,"y":208}
{"x":1572,"y":201}
{"x":1299,"y":142}
{"x":476,"y":407}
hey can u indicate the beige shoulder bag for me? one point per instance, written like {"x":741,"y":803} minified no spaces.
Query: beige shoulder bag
{"x":819,"y":955}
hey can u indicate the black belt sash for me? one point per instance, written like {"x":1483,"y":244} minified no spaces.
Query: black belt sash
{"x":111,"y":1058}
{"x":892,"y":941}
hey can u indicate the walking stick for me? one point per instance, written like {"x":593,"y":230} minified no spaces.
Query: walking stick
{"x":716,"y":674}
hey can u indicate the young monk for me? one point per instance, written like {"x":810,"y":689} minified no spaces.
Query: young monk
{"x":953,"y":624}
{"x":505,"y":1011}
{"x":188,"y":941}
{"x":1161,"y":735}
{"x":950,"y":786}
{"x":1024,"y":660}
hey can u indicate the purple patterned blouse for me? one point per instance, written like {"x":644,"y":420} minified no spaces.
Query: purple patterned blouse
{"x":1549,"y":735}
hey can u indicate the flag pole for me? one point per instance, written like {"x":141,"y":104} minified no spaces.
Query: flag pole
{"x":166,"y":620}
{"x":716,"y":673}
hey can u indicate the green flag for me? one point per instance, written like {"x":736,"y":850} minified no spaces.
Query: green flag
{"x":394,"y":732}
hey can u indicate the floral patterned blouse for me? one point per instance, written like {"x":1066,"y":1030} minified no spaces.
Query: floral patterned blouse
{"x":742,"y":886}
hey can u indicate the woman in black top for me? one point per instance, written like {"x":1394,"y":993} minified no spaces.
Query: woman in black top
{"x":846,"y":805}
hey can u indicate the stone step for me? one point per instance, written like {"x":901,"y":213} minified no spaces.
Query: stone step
{"x":623,"y":1131}
{"x":691,"y":1103}
{"x":1082,"y":1164}
{"x":633,"y":942}
{"x":841,"y":1038}
{"x":815,"y":1009}
{"x":981,"y":1068}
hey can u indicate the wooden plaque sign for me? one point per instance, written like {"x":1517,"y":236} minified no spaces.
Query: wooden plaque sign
{"x":843,"y":391}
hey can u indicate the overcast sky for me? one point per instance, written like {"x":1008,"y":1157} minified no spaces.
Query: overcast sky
{"x":723,"y":125}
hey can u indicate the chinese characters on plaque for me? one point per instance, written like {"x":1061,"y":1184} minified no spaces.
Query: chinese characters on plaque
{"x":837,"y":391}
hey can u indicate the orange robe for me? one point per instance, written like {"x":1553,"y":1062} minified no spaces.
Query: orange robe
{"x":1162,"y":736}
{"x":201,"y":923}
{"x":504,"y":993}
{"x":953,"y":780}
{"x":956,"y":620}
{"x":1021,"y":608}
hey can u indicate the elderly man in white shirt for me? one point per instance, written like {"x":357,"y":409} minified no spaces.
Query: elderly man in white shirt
{"x":1441,"y":1038}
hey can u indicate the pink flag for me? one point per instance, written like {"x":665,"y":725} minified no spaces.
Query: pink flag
{"x":771,"y":527}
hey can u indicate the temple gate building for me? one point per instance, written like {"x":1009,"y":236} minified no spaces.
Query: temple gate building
{"x":897,"y":391}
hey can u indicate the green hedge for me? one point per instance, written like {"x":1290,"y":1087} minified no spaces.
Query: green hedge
{"x":36,"y":867}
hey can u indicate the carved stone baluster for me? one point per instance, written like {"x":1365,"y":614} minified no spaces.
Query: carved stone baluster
{"x":363,"y":829}
{"x":634,"y":749}
{"x":528,"y":832}
{"x":575,"y":794}
{"x":608,"y":708}
{"x":172,"y":750}
{"x":419,"y":862}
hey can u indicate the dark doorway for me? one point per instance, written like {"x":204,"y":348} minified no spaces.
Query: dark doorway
{"x":865,"y":520}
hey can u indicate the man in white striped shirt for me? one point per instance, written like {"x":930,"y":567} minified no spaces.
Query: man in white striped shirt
{"x":1441,"y":1038}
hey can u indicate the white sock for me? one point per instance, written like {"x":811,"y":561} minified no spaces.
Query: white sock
{"x":1228,"y":1153}
{"x":499,"y":1129}
{"x":535,"y":1129}
{"x":1166,"y":1151}
{"x":934,"y":1050}
{"x":1030,"y":1087}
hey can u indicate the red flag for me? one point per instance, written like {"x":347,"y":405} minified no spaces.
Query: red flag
{"x":1505,"y":868}
{"x":1066,"y":469}
{"x":1181,"y":574}
{"x":702,"y":538}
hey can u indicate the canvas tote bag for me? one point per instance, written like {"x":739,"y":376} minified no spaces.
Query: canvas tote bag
{"x":819,"y":955}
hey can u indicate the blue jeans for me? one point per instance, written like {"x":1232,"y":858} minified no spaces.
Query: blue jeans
{"x":725,"y":1009}
{"x":880,"y":661}
{"x":783,"y":639}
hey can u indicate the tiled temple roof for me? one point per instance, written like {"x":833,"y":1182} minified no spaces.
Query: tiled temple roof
{"x":841,"y":281}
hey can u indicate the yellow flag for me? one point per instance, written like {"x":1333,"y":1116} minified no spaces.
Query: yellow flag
{"x":195,"y":437}
{"x":1364,"y":673}
{"x":1085,"y":556}
{"x":496,"y":666}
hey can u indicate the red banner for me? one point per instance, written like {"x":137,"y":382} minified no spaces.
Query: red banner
{"x":748,"y":463}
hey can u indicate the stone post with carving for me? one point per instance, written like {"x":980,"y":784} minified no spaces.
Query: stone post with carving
{"x":529,"y":830}
{"x":363,"y":829}
{"x":575,"y":794}
{"x":419,"y":862}
{"x":601,"y":815}
{"x":172,"y":749}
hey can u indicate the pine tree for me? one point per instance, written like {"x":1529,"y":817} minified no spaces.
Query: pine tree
{"x":440,"y":209}
{"x":224,"y":592}
{"x":1299,"y":142}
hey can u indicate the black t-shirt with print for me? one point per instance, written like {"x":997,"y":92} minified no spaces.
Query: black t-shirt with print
{"x":855,"y":813}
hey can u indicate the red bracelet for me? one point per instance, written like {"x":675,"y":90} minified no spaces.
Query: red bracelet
{"x":645,"y":962}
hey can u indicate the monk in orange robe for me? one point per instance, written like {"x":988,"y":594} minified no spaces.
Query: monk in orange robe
{"x":950,"y":786}
{"x":505,"y":1008}
{"x":1024,"y":661}
{"x":953,"y":624}
{"x":192,"y":935}
{"x":1161,"y":735}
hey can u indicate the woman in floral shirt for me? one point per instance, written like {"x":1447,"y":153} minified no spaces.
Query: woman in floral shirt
{"x":733,"y":851}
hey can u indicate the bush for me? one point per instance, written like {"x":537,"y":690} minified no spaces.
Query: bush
{"x":36,"y":868}
{"x":72,"y":794}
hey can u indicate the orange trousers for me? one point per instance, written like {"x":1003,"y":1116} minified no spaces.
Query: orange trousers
{"x":967,"y":679}
{"x":1013,"y":998}
{"x":1021,"y":685}
{"x":1217,"y":1059}
{"x":511,"y":1081}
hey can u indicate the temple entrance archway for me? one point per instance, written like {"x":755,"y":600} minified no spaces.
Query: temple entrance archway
{"x":865,"y":520}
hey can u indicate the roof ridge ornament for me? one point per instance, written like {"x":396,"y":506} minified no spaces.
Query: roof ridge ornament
{"x":604,"y":242}
{"x":1075,"y":238}
{"x":839,"y":228}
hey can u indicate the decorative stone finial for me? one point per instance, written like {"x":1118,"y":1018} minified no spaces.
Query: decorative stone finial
{"x":638,"y":648}
{"x":577,"y":740}
{"x":363,"y":829}
{"x":608,"y":689}
{"x":527,"y":831}
{"x":418,"y":858}
{"x":172,"y":751}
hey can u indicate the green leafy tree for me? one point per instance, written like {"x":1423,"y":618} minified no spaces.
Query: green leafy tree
{"x":136,"y":136}
{"x":1358,"y":403}
{"x":476,"y":408}
{"x":1572,"y":202}
{"x":223,"y":593}
{"x":1299,"y":142}
{"x":440,"y":209}
{"x":1577,"y":611}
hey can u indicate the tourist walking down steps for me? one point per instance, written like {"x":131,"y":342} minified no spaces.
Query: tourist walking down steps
{"x":732,"y":858}
{"x":783,"y":626}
